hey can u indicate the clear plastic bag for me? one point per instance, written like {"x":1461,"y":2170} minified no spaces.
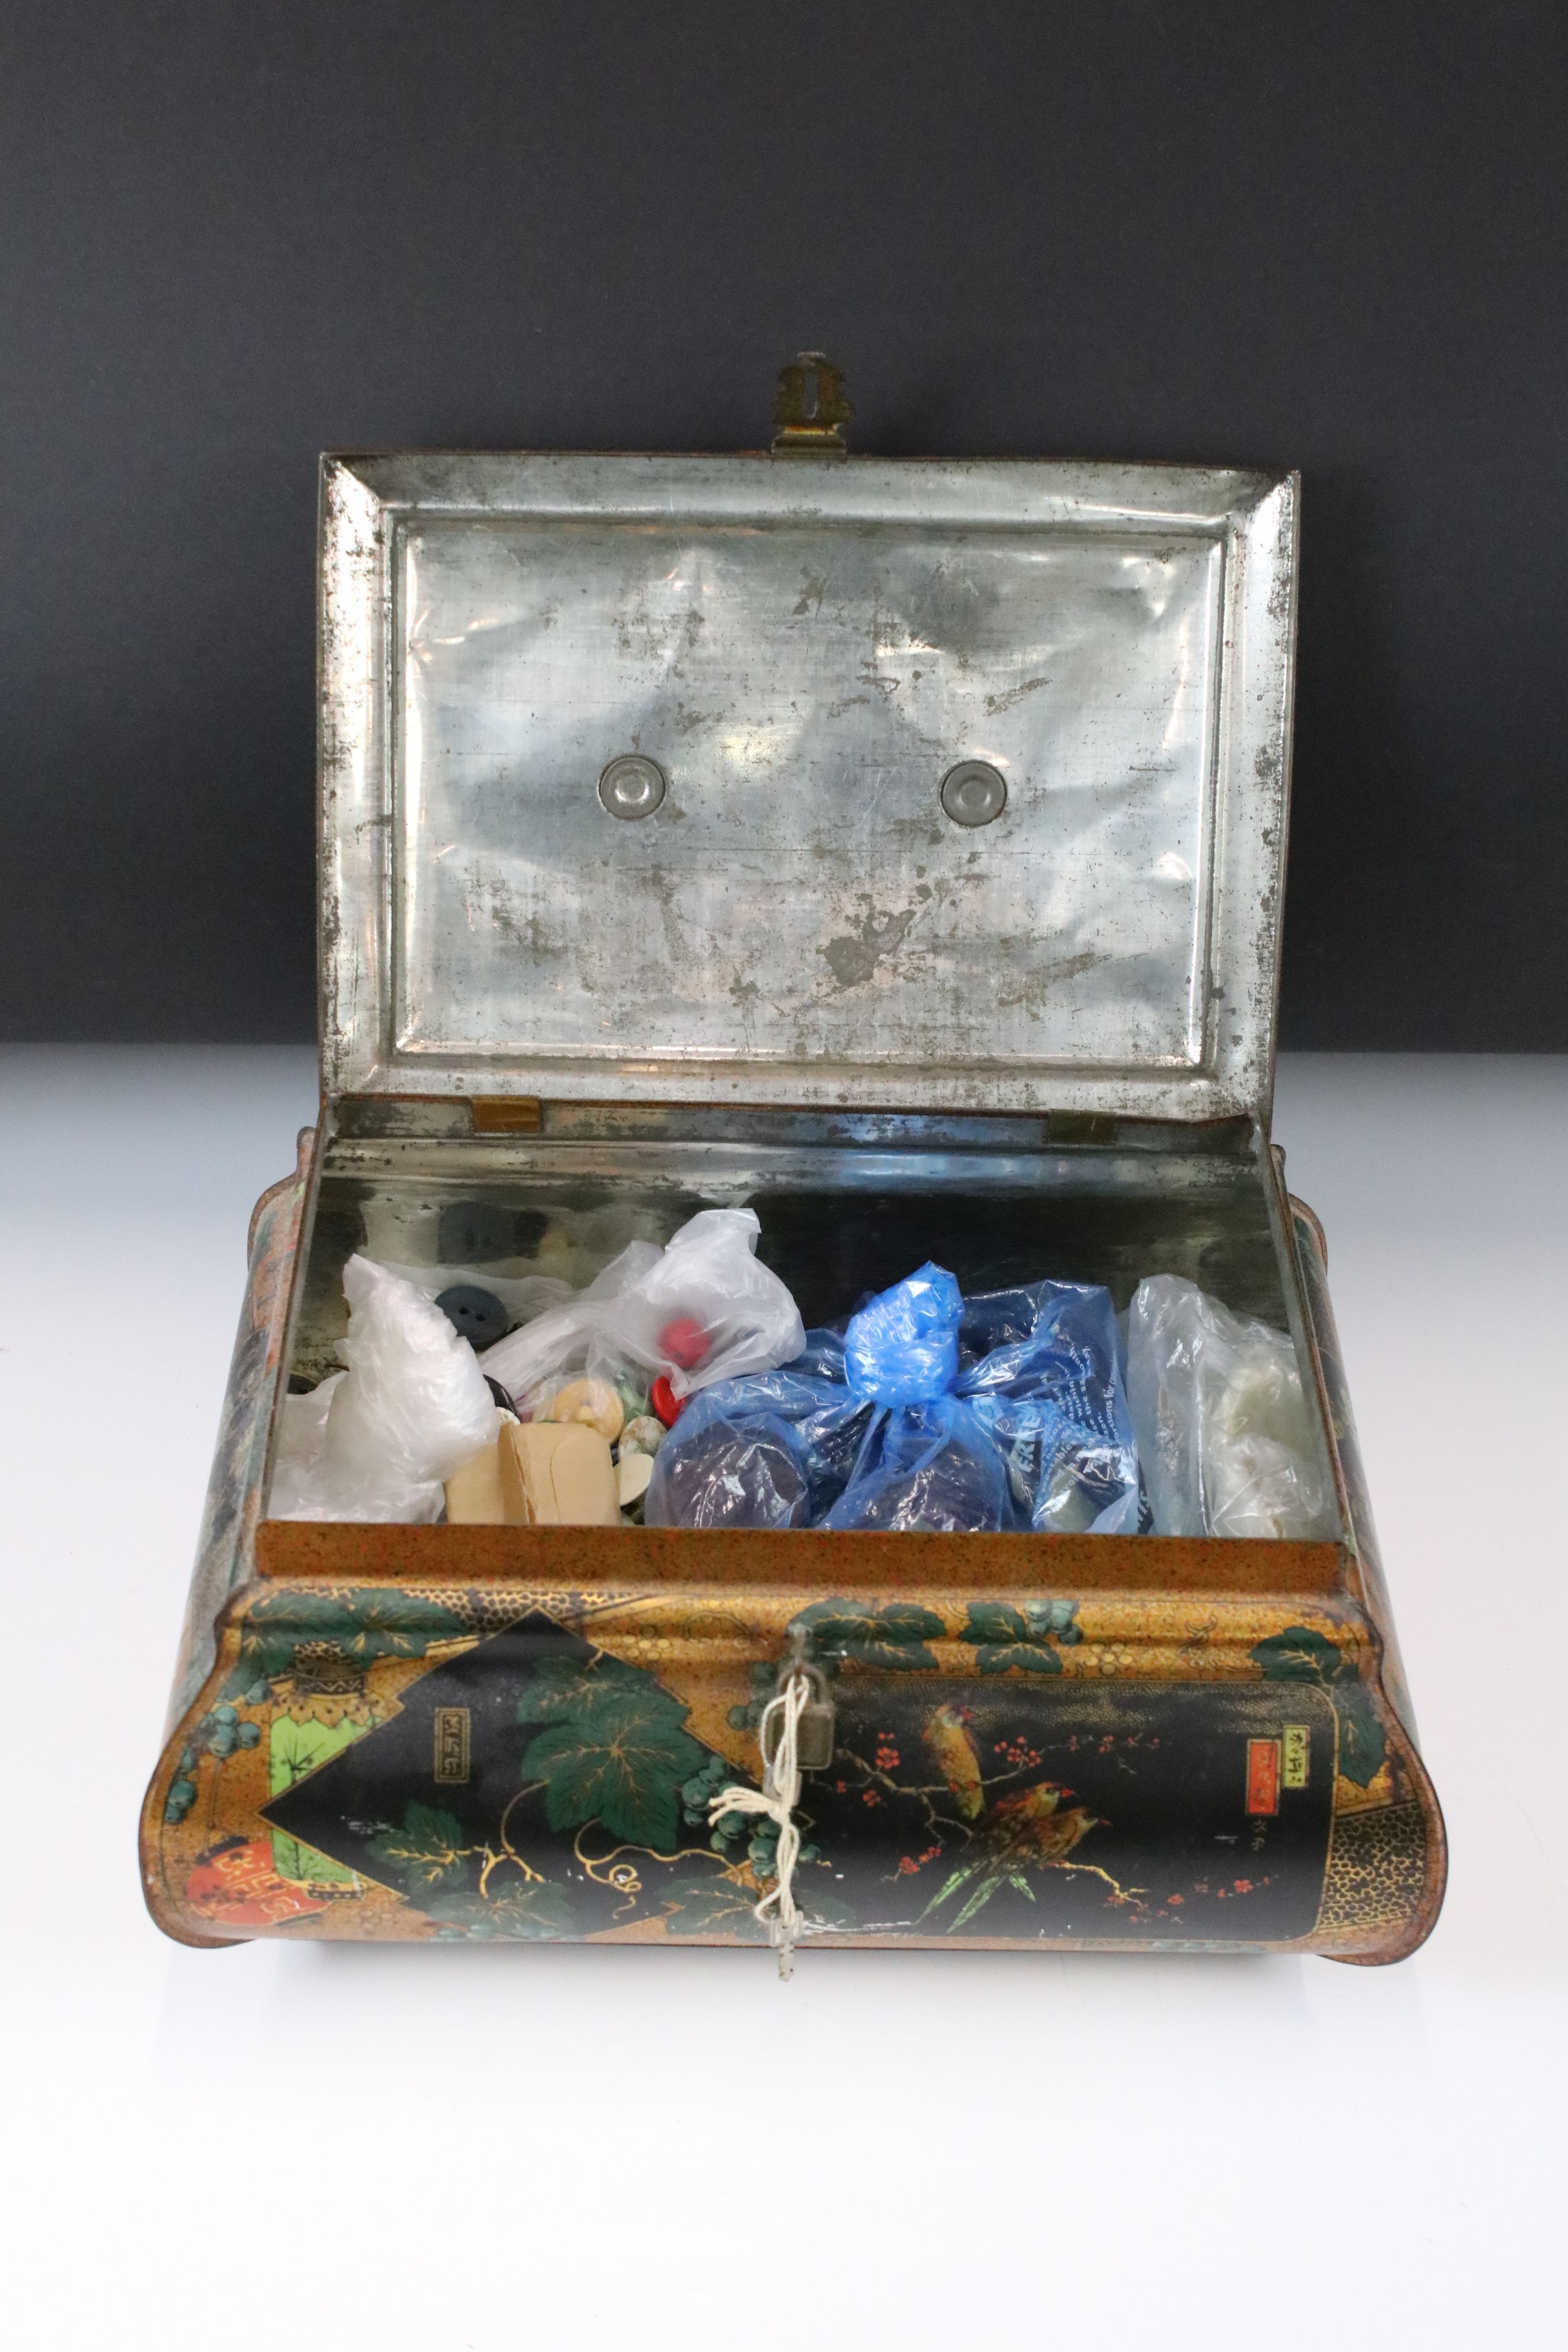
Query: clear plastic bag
{"x":710,"y":1287}
{"x":1042,"y":1373}
{"x":1224,"y":1433}
{"x":557,"y":1342}
{"x":1004,"y":1412}
{"x":377,"y":1441}
{"x":702,"y":1310}
{"x":525,"y":1297}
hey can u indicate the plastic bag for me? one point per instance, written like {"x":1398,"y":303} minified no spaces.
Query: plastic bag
{"x":750,"y":1473}
{"x":702,"y":1310}
{"x":1004,"y":1412}
{"x":927,"y":1465}
{"x":1224,"y":1433}
{"x":558,"y":1341}
{"x":525,"y":1297}
{"x":1042,"y":1373}
{"x":710,"y":1278}
{"x":903,"y":1347}
{"x":735,"y":1432}
{"x":377,"y":1441}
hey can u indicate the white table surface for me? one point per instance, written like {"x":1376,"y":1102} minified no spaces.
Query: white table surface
{"x":497,"y":2146}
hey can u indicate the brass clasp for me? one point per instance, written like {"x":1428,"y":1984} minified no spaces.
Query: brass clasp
{"x":809,"y":408}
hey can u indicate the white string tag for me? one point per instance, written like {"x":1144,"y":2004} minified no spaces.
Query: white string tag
{"x":777,"y":1798}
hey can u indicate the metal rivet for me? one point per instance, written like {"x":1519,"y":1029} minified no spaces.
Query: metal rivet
{"x":973,"y":793}
{"x":632,"y":786}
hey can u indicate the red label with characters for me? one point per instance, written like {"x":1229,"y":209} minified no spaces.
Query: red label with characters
{"x":1263,"y":1776}
{"x":235,"y":1886}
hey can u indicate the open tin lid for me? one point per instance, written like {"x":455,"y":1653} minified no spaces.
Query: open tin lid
{"x":763,"y":779}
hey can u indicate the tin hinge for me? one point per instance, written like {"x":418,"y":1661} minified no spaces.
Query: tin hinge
{"x":507,"y":1114}
{"x":809,"y":408}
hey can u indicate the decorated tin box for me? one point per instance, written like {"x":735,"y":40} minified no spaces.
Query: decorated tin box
{"x":897,"y":848}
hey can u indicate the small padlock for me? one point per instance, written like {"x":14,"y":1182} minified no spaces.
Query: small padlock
{"x":813,"y":1732}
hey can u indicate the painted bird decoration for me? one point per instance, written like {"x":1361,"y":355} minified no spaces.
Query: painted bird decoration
{"x":957,"y":1759}
{"x":1029,"y":1829}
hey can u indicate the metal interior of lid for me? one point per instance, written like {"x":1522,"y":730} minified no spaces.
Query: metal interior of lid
{"x":945,"y":784}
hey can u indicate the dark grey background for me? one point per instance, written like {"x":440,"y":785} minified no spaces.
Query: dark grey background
{"x":231,"y":235}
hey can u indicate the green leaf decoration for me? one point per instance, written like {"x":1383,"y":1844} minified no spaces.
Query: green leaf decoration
{"x":713,"y":1906}
{"x":305,"y":1865}
{"x":363,"y":1625}
{"x":905,"y":1621}
{"x":1364,"y":1743}
{"x":960,"y":1877}
{"x":824,"y":1913}
{"x":429,"y":1851}
{"x":396,"y":1625}
{"x":623,"y":1775}
{"x":978,"y":1902}
{"x":535,"y":1912}
{"x":263,"y":1657}
{"x":531,"y":1914}
{"x":992,"y":1621}
{"x":893,"y":1636}
{"x":615,"y":1750}
{"x":992,"y":1660}
{"x":293,"y":1749}
{"x":563,"y":1688}
{"x":1299,"y":1655}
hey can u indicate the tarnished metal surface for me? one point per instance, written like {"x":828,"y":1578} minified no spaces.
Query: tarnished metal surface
{"x":846,"y":1201}
{"x":805,"y":652}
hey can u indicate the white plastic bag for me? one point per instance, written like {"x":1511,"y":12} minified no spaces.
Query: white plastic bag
{"x":702,"y":1310}
{"x":1225,"y":1434}
{"x":557,"y":1342}
{"x":301,"y":1436}
{"x":377,"y":1441}
{"x":524,"y":1297}
{"x":710,"y":1276}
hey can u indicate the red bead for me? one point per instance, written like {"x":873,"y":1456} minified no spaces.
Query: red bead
{"x":685,"y":1342}
{"x":665,"y":1402}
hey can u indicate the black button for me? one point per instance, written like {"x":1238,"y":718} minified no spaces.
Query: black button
{"x":476,"y":1315}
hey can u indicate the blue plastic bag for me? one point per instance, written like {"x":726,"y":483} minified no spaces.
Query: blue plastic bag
{"x":1002,"y":1411}
{"x":772,"y":1450}
{"x":1044,"y":1376}
{"x":903,"y":1347}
